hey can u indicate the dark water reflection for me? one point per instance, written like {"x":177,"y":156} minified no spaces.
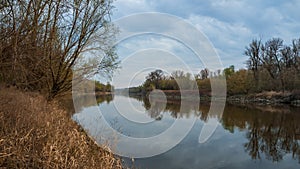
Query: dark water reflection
{"x":273,"y":134}
{"x":248,"y":137}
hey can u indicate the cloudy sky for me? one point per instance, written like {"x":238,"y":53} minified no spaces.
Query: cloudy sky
{"x":229,"y":25}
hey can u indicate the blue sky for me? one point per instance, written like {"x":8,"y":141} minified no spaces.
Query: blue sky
{"x":230,"y":25}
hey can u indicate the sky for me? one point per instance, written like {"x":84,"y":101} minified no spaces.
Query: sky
{"x":229,"y":25}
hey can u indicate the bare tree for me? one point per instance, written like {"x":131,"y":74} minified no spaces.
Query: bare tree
{"x":254,"y":61}
{"x":272,"y":59}
{"x":277,"y":59}
{"x":204,"y":73}
{"x":46,"y":42}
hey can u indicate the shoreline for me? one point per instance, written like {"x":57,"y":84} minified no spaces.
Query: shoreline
{"x":263,"y":98}
{"x":267,"y":98}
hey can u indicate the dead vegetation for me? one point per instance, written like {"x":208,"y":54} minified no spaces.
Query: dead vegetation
{"x":37,"y":134}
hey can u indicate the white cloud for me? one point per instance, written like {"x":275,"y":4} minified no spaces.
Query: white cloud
{"x":127,"y":7}
{"x":135,"y":67}
{"x":228,"y":38}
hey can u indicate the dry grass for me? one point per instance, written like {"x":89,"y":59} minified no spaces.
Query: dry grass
{"x":270,"y":94}
{"x":37,"y":134}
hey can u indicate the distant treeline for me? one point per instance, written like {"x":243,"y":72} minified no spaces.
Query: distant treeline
{"x":271,"y":66}
{"x":90,"y":86}
{"x":100,"y":87}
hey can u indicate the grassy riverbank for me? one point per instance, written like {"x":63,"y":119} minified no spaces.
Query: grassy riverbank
{"x":35,"y":133}
{"x":266,"y":97}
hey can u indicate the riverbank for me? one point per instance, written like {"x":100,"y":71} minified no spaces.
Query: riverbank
{"x":39,"y":134}
{"x":263,"y":98}
{"x":268,"y":98}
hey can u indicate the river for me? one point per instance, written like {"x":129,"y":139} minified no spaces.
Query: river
{"x":247,"y":136}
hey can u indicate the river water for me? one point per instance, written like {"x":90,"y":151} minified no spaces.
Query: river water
{"x":248,"y":136}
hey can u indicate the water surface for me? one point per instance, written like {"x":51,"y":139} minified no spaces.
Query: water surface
{"x":248,"y":136}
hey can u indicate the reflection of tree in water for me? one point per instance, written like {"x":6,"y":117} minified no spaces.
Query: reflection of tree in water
{"x":91,"y":100}
{"x":156,"y":109}
{"x":102,"y":98}
{"x":172,"y":107}
{"x":270,"y":134}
